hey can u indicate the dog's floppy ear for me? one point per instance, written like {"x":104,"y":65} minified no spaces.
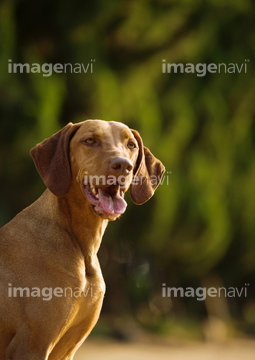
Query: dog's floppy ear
{"x":147,"y":174}
{"x":51,"y":158}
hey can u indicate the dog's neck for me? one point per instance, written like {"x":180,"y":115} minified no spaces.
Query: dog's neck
{"x":78,"y":219}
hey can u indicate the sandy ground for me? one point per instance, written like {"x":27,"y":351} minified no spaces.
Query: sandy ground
{"x":103,"y":350}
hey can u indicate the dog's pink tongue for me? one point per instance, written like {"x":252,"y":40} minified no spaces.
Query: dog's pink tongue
{"x":112,"y":204}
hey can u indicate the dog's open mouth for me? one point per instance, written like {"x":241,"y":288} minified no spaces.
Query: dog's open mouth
{"x":108,"y":200}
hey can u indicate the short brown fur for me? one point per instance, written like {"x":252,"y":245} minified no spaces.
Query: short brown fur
{"x":54,"y":242}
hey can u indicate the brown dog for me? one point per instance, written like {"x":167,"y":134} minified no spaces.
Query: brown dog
{"x":50,"y":279}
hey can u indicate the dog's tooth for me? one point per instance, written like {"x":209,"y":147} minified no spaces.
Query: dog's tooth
{"x":97,"y":196}
{"x":93,"y":189}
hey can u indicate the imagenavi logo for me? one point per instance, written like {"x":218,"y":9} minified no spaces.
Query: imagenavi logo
{"x":201,"y":293}
{"x":47,"y":69}
{"x":202,"y":69}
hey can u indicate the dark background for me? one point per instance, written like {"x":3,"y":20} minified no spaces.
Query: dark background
{"x":198,"y":230}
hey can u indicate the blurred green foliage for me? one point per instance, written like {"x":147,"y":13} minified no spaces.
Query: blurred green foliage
{"x":201,"y":221}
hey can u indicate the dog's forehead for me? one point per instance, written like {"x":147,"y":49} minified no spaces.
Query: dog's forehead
{"x":104,"y":128}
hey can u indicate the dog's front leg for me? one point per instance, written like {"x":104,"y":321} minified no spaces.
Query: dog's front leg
{"x":25,"y":347}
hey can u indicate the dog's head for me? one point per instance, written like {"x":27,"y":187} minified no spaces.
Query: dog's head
{"x":104,"y":159}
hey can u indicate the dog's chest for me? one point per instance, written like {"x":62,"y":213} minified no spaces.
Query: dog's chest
{"x":87,"y":304}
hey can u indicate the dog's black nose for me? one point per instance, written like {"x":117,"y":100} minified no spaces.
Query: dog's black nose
{"x":121,"y":166}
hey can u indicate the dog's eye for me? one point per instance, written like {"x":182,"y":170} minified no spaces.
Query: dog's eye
{"x":131,"y":145}
{"x":90,"y":141}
